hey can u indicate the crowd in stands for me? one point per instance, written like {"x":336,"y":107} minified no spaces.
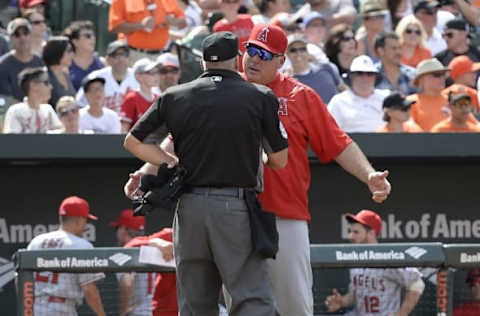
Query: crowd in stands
{"x":378,"y":65}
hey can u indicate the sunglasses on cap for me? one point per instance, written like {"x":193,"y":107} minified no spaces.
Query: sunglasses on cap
{"x":410,"y":31}
{"x":263,"y":54}
{"x":66,"y":111}
{"x":298,"y":49}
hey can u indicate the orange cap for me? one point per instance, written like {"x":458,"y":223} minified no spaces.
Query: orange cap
{"x":461,"y":65}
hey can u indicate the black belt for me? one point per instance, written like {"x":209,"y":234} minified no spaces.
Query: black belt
{"x":226,"y":191}
{"x":146,"y":51}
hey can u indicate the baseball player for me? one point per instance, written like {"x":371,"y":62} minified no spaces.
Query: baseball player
{"x":60,"y":293}
{"x":135,"y":289}
{"x":376,"y":291}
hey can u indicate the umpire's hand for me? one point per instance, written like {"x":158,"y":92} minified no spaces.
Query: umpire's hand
{"x":379,"y":185}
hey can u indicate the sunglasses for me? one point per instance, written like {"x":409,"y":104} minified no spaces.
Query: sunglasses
{"x":410,"y":31}
{"x":38,"y":22}
{"x":87,"y":35}
{"x":164,"y":71}
{"x":65,"y":112}
{"x":465,"y":102}
{"x":448,"y":35}
{"x":298,"y":49}
{"x":18,"y":34}
{"x":263,"y":54}
{"x":347,"y":38}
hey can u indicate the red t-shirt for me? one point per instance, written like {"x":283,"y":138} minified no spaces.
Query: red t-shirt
{"x":307,"y":122}
{"x":165,"y":295}
{"x":133,"y":107}
{"x":467,"y":309}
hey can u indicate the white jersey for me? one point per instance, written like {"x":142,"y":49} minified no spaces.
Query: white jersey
{"x":114,"y":92}
{"x":377,"y":292}
{"x":23,"y":119}
{"x":140,"y":302}
{"x":108,"y":123}
{"x":60,"y":292}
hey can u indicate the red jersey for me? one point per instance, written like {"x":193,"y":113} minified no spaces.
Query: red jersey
{"x":469,"y":308}
{"x":133,"y":107}
{"x":242,"y":27}
{"x":165,"y":295}
{"x":307,"y":122}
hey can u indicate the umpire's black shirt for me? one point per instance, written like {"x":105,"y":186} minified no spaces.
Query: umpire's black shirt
{"x":219,"y":123}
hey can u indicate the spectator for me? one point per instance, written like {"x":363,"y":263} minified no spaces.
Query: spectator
{"x":392,"y":74}
{"x":385,"y":298}
{"x":119,"y":78}
{"x":456,"y":34}
{"x":336,"y":11}
{"x":471,"y":13}
{"x":145,"y":24}
{"x":373,"y":16}
{"x":67,"y":111}
{"x":137,"y":102}
{"x":85,"y":59}
{"x":322,"y":77}
{"x":269,"y":9}
{"x":341,"y":47}
{"x":315,"y":28}
{"x":19,"y":58}
{"x":168,"y":70}
{"x":38,"y":5}
{"x":430,"y":105}
{"x":426,"y":12}
{"x":396,"y":112}
{"x":33,"y":115}
{"x":58,"y":55}
{"x":460,"y":106}
{"x":95,"y":116}
{"x":194,"y":18}
{"x":38,"y":31}
{"x":472,"y":305}
{"x":359,"y":109}
{"x":413,"y":39}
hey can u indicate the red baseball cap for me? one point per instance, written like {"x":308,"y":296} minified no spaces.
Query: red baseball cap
{"x":24,"y":4}
{"x":75,"y":206}
{"x":461,"y":65}
{"x":367,"y":218}
{"x":127,"y":220}
{"x":269,"y":37}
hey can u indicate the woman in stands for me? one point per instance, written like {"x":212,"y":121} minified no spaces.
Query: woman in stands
{"x":413,"y":38}
{"x":341,"y":47}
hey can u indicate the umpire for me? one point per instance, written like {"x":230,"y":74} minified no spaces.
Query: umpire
{"x":219,"y":123}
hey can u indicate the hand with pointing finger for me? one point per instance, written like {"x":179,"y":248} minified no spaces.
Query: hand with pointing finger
{"x":334,"y":302}
{"x":379,"y":185}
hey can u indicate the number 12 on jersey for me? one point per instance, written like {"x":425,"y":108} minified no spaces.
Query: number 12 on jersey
{"x":372,"y":304}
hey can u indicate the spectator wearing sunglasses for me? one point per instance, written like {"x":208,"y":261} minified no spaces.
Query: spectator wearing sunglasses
{"x":456,"y":35}
{"x":359,"y":109}
{"x":396,"y":112}
{"x":413,"y":40}
{"x":460,"y":106}
{"x":19,"y":58}
{"x":68,"y":113}
{"x":373,"y":20}
{"x":38,"y":31}
{"x":341,"y":47}
{"x":119,"y":78}
{"x":426,"y":12}
{"x":58,"y":55}
{"x":33,"y":115}
{"x":168,"y":71}
{"x":470,"y":306}
{"x":85,"y":59}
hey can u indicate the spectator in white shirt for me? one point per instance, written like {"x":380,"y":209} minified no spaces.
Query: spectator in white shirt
{"x":426,"y":12}
{"x":95,"y":116}
{"x":359,"y":109}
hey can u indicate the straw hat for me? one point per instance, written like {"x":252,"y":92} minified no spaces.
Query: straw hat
{"x":428,"y":66}
{"x":372,"y":8}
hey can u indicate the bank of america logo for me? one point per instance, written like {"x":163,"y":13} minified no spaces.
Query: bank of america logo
{"x":415,"y":252}
{"x":120,"y":258}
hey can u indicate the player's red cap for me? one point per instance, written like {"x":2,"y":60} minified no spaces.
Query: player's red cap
{"x":127,"y":220}
{"x":461,"y":65}
{"x":367,"y":218}
{"x":269,"y":37}
{"x":24,"y":4}
{"x":75,"y":206}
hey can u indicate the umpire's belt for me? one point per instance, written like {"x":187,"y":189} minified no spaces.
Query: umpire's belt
{"x":226,"y":191}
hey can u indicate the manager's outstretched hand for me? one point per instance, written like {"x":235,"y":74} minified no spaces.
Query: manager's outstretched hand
{"x":379,"y":185}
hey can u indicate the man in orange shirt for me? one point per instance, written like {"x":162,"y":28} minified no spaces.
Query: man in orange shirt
{"x":145,"y":24}
{"x":460,"y":106}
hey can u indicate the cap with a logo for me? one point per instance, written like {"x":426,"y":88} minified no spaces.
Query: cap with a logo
{"x":113,"y":46}
{"x":426,"y":5}
{"x":461,"y":65}
{"x":127,"y":220}
{"x":269,"y":37}
{"x":367,"y":218}
{"x":168,"y":60}
{"x":371,"y":8}
{"x":396,"y":100}
{"x":16,"y":23}
{"x":220,"y":46}
{"x":312,"y":15}
{"x":75,"y":206}
{"x":428,"y":66}
{"x":363,"y":63}
{"x":143,"y":65}
{"x":457,"y":24}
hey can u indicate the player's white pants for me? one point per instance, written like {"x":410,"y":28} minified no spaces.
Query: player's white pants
{"x":291,"y":272}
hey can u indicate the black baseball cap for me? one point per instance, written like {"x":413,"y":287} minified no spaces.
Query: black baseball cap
{"x":396,"y":100}
{"x":87,"y":81}
{"x":426,"y":5}
{"x":220,"y":46}
{"x":457,"y":24}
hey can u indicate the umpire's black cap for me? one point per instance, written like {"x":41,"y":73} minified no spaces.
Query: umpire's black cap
{"x":220,"y":46}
